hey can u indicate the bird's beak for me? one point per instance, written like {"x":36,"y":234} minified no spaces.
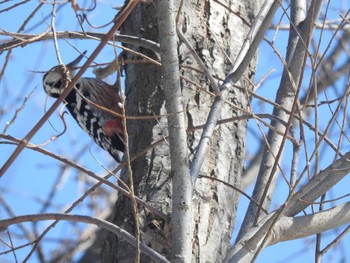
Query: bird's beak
{"x":76,"y":61}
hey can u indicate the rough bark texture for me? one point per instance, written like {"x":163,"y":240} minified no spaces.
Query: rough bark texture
{"x":217,"y":35}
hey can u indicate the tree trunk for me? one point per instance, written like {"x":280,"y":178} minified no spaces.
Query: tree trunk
{"x":216,"y":34}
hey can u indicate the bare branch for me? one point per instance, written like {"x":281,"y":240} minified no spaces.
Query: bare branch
{"x":303,"y":226}
{"x":181,"y":183}
{"x":287,"y":97}
{"x":319,"y":184}
{"x":32,"y":38}
{"x":5,"y":223}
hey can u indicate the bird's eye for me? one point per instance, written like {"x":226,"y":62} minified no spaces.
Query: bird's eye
{"x":58,"y":84}
{"x":48,"y":84}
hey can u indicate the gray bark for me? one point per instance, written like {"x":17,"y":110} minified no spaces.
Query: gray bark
{"x":216,"y":34}
{"x":145,"y":97}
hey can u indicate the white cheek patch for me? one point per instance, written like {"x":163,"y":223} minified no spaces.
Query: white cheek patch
{"x":52,"y":83}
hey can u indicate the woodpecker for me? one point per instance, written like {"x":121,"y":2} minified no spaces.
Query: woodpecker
{"x":86,"y":102}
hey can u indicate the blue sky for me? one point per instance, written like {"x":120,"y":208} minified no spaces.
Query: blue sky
{"x":33,"y":175}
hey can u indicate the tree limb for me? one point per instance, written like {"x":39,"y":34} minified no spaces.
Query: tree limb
{"x":303,"y":226}
{"x":181,"y":183}
{"x":84,"y":219}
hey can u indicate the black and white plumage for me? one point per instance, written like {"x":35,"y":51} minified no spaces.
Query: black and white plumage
{"x":105,"y":128}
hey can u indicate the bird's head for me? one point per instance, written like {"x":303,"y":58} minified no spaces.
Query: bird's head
{"x":54,"y":81}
